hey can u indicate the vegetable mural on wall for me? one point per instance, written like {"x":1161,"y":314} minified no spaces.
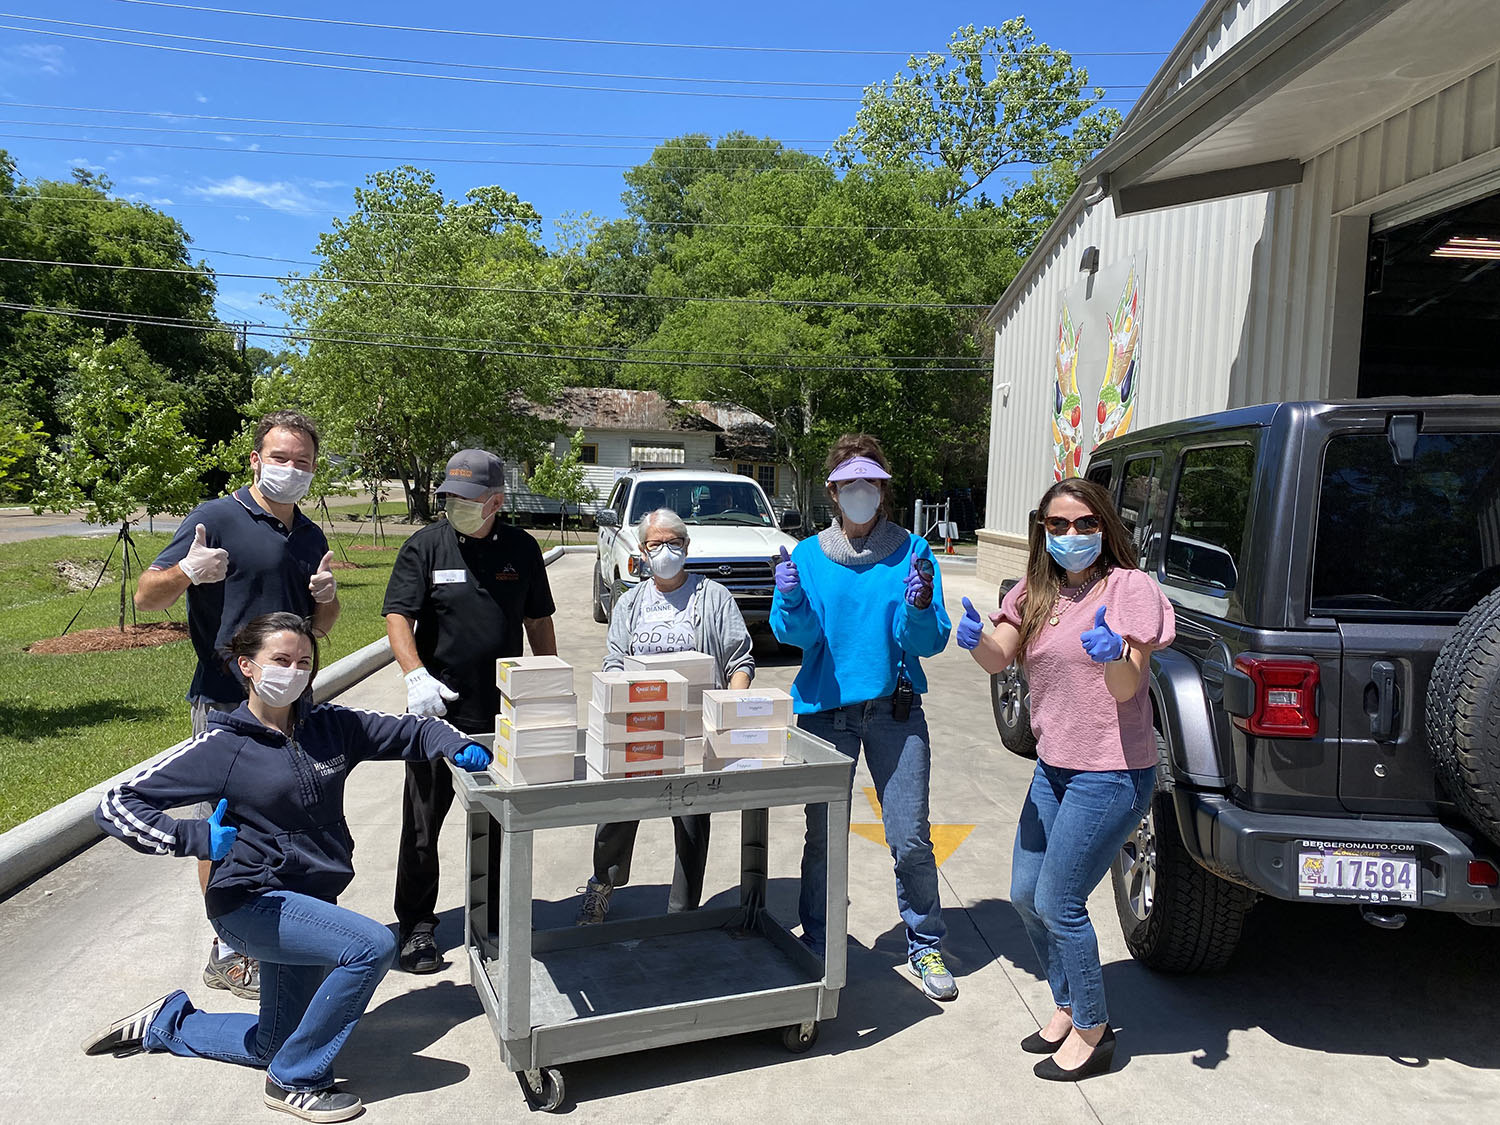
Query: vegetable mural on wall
{"x":1117,"y":392}
{"x":1067,"y":406}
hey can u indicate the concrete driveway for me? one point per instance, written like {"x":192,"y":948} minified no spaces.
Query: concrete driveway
{"x":1321,"y":1018}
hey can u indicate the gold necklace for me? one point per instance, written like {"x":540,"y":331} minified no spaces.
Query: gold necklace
{"x":1083,"y":592}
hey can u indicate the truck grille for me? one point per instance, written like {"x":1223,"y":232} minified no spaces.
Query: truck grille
{"x":744,"y":578}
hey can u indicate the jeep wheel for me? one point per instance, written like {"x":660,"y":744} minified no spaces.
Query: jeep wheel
{"x":1177,"y":917}
{"x":599,"y":613}
{"x":1463,"y":715}
{"x":1012,"y":716}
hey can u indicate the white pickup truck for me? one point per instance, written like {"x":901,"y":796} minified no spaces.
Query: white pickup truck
{"x":735,"y":535}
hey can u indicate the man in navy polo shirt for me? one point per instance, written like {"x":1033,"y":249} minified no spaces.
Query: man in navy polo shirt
{"x":460,"y":594}
{"x":237,"y":557}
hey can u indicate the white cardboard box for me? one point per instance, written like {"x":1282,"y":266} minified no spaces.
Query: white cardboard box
{"x":692,"y":722}
{"x":745,"y":742}
{"x":629,"y":758}
{"x":712,"y":763}
{"x":533,"y":742}
{"x":663,"y":690}
{"x":543,"y":769}
{"x":733,"y":709}
{"x":692,"y":752}
{"x":612,"y":726}
{"x":533,"y":677}
{"x":544,"y":711}
{"x":697,"y":668}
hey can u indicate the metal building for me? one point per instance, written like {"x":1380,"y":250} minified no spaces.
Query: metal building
{"x":1305,"y":203}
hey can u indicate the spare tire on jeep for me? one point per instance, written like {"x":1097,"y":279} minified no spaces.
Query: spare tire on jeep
{"x":1463,"y":715}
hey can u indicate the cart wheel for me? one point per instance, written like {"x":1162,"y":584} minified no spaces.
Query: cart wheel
{"x":543,"y":1089}
{"x":800,"y":1037}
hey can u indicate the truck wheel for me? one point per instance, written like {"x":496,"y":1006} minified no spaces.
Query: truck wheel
{"x":599,"y":614}
{"x":1008,"y":698}
{"x":1463,"y":715}
{"x":1177,"y":917}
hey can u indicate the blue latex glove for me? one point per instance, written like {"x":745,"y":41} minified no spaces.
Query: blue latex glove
{"x":788,"y":581}
{"x":1101,"y":642}
{"x":970,"y":627}
{"x":473,"y":758}
{"x":221,"y":836}
{"x":919,"y":583}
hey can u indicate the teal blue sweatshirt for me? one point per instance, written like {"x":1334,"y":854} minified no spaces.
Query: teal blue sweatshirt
{"x":852,"y":624}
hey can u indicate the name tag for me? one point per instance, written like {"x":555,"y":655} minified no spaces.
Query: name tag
{"x":447,"y":577}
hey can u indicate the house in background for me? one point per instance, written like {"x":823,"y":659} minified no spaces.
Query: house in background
{"x":625,"y":429}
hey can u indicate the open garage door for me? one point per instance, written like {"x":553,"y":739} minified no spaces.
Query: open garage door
{"x":1432,"y":310}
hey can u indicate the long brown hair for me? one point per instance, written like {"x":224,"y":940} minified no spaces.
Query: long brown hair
{"x":1044,"y":578}
{"x":858,"y":445}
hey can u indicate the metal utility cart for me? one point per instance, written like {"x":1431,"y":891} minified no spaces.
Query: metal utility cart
{"x":558,"y":996}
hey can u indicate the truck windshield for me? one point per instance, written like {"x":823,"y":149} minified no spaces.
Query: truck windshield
{"x":703,"y":501}
{"x":1421,"y":537}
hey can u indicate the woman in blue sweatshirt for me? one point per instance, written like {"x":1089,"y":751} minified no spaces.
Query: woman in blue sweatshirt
{"x":281,"y":854}
{"x":864,"y":600}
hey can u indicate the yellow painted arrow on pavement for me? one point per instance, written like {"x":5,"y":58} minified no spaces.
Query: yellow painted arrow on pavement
{"x":945,"y":837}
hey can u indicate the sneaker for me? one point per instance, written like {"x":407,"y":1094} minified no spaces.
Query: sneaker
{"x":595,"y":903}
{"x":237,"y":972}
{"x":126,"y":1036}
{"x":419,"y":954}
{"x":327,"y":1104}
{"x":937,"y":981}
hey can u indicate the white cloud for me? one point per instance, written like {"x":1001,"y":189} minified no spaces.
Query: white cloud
{"x":201,"y":99}
{"x":144,"y":181}
{"x":255,"y":148}
{"x":36,"y":58}
{"x":226,"y":140}
{"x":242,"y":218}
{"x":278,"y":195}
{"x":324,"y":185}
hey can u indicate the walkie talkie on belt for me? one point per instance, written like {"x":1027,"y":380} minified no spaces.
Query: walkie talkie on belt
{"x":901,"y":698}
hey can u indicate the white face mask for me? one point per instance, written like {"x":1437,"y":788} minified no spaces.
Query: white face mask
{"x":466,"y":516}
{"x":283,"y":484}
{"x":859,"y":501}
{"x":279,"y":686}
{"x":667,"y":561}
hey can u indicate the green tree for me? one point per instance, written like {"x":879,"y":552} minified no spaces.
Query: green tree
{"x":22,"y":440}
{"x":564,"y":479}
{"x":279,"y":388}
{"x":997,"y":100}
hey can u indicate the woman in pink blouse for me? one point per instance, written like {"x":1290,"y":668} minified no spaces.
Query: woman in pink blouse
{"x":1085,"y":621}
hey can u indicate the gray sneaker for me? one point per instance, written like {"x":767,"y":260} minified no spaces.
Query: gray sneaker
{"x":595,"y":903}
{"x":328,"y":1104}
{"x":937,"y":981}
{"x":238,"y":973}
{"x":126,"y":1036}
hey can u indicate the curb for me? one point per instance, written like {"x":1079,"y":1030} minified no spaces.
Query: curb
{"x":35,"y":846}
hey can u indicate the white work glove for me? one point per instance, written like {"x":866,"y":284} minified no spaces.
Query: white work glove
{"x":425,"y":693}
{"x":321,"y":584}
{"x":202,"y":562}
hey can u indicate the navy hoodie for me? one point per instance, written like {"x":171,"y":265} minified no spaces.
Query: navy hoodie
{"x":286,"y":796}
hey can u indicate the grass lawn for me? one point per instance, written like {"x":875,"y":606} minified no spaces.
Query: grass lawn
{"x":69,"y":721}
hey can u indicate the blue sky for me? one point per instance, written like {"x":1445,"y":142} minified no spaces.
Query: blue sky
{"x":238,"y":192}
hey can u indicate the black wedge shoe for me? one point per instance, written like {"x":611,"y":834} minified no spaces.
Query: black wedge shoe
{"x":1097,"y":1063}
{"x":1038,"y":1044}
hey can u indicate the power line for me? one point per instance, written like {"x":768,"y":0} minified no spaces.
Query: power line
{"x":589,"y":42}
{"x":465,"y":288}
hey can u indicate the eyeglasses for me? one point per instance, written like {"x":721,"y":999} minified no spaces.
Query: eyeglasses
{"x":675,"y":544}
{"x":1084,"y":525}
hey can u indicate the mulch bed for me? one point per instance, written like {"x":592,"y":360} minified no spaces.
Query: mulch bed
{"x":371,"y":547}
{"x":111,"y":639}
{"x":340,"y":564}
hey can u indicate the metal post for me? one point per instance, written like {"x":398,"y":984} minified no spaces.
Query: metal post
{"x":916,"y":518}
{"x":755,"y":827}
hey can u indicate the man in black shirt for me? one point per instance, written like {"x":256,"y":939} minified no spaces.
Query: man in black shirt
{"x":460,"y":594}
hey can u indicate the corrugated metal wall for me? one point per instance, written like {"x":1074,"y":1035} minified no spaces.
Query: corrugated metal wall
{"x":1237,"y":19}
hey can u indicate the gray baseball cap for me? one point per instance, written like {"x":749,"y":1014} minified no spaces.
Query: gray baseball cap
{"x":472,"y":473}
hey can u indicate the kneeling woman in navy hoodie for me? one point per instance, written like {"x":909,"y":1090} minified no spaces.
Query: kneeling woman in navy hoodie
{"x":282,"y":854}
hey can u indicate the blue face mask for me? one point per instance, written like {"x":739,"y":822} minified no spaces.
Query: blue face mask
{"x":1075,"y":552}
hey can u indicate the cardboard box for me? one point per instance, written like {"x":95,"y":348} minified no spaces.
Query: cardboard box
{"x":746,"y":708}
{"x":639,"y":691}
{"x":533,"y":742}
{"x":543,"y":711}
{"x":533,"y":677}
{"x":697,"y":668}
{"x":714,"y":764}
{"x":541,"y":769}
{"x":692,"y":722}
{"x":745,"y":742}
{"x":613,"y":726}
{"x":661,"y":753}
{"x":692,"y":752}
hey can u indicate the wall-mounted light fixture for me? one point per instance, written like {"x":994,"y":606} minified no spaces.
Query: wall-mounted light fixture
{"x":1090,"y":263}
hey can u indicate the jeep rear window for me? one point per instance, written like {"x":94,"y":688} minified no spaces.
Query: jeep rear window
{"x":1420,"y":537}
{"x":1208,"y":521}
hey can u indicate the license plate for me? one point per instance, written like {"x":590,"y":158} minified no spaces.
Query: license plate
{"x":1357,"y":872}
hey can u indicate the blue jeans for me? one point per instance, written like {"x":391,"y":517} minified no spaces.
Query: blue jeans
{"x":900,"y":762}
{"x":319,"y":965}
{"x":1073,"y":823}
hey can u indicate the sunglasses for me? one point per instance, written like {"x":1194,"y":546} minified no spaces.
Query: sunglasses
{"x":1084,"y":525}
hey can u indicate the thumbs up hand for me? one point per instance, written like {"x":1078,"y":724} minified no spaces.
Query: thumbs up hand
{"x":322,"y":584}
{"x":221,"y":836}
{"x":970,"y":627}
{"x":203,"y":563}
{"x":1101,"y":642}
{"x":787,"y":579}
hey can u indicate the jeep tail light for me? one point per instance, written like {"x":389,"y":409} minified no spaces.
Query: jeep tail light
{"x":1286,"y":697}
{"x":1482,"y":873}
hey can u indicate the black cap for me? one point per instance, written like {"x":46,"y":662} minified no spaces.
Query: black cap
{"x":472,"y":473}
